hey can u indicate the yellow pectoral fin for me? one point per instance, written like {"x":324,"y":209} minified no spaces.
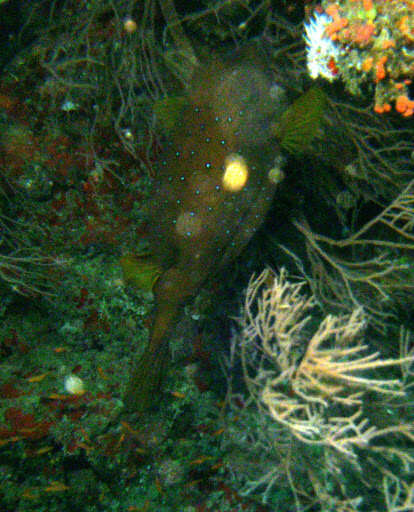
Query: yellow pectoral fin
{"x":139,"y":271}
{"x":300,"y":122}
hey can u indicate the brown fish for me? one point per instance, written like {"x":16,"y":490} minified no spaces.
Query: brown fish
{"x":211,"y":194}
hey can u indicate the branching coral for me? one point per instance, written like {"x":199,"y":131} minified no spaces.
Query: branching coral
{"x":24,"y":266}
{"x":95,"y":63}
{"x":365,"y":257}
{"x":316,"y":383}
{"x":346,"y":278}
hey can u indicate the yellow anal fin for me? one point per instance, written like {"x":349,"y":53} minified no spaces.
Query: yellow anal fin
{"x":139,"y":271}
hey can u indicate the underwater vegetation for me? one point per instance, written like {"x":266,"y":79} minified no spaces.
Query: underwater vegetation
{"x":155,"y":157}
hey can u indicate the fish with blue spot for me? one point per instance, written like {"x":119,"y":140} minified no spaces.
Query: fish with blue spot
{"x":215,"y":182}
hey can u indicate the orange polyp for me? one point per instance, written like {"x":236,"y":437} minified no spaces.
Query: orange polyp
{"x":332,"y":67}
{"x":367,"y":64}
{"x":380,"y":68}
{"x":380,"y":109}
{"x":403,"y":26}
{"x":401,"y":104}
{"x":389,"y":43}
{"x":333,"y":11}
{"x":337,"y":25}
{"x":363,"y":33}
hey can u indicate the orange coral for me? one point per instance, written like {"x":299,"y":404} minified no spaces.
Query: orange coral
{"x":367,"y":64}
{"x":334,"y":27}
{"x":404,"y":105}
{"x":368,"y":4}
{"x":403,"y":26}
{"x":374,"y":37}
{"x":337,"y":24}
{"x":361,"y":33}
{"x":333,"y":11}
{"x":388,"y":43}
{"x":380,"y":109}
{"x":380,"y":71}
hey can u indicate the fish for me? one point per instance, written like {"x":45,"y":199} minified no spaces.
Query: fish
{"x":214,"y":185}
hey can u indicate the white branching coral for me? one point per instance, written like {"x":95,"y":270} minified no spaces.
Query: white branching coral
{"x":321,"y":51}
{"x":313,"y":381}
{"x":321,"y":422}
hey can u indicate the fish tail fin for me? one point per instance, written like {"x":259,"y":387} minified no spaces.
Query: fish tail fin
{"x":145,"y":383}
{"x":144,"y":388}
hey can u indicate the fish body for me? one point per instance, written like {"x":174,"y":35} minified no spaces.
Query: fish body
{"x":211,"y":193}
{"x":200,"y":221}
